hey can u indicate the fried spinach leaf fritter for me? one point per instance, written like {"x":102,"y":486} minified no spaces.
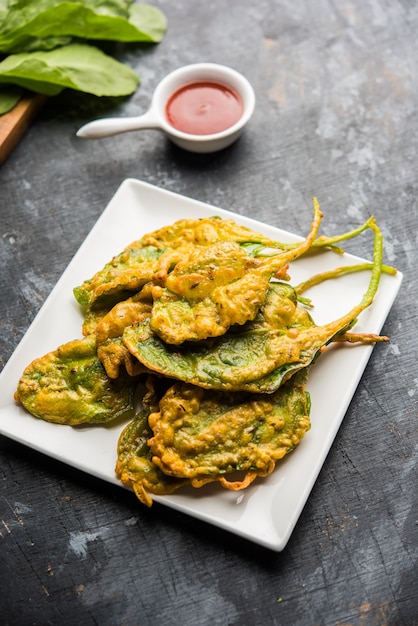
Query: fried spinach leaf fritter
{"x":111,"y":351}
{"x":259,"y":356}
{"x":216,"y":287}
{"x":205,"y":231}
{"x":142,"y":261}
{"x":198,"y":300}
{"x":70,"y":386}
{"x":124,"y":275}
{"x":135,"y":468}
{"x":207,"y":436}
{"x":198,"y":306}
{"x":231,"y":362}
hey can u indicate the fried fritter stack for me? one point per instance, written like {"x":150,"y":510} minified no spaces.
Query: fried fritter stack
{"x":195,"y":334}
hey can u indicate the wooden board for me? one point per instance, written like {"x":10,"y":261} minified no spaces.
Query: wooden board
{"x":13,"y":125}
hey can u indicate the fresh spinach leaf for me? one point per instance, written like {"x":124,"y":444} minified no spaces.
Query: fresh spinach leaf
{"x":3,"y":10}
{"x":148,"y":20}
{"x":77,"y":66}
{"x":9,"y":97}
{"x":27,"y":24}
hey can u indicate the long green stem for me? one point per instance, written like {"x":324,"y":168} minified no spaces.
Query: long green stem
{"x":340,"y":271}
{"x":276,"y":262}
{"x":329,"y":242}
{"x":377,"y":269}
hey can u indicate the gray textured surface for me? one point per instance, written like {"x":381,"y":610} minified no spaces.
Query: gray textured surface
{"x":336,"y":117}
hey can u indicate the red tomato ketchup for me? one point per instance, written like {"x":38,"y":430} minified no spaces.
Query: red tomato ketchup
{"x":204,"y":108}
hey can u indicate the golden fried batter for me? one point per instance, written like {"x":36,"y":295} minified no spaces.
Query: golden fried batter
{"x":202,"y":232}
{"x":110,"y":349}
{"x":134,"y":466}
{"x":205,"y":435}
{"x":216,"y":287}
{"x":195,"y":303}
{"x":239,"y":358}
{"x":124,"y":275}
{"x":152,"y":255}
{"x":261,"y":355}
{"x":70,"y":386}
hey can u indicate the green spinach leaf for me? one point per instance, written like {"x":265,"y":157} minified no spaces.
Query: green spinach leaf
{"x":9,"y":97}
{"x":28,"y":25}
{"x":77,"y":66}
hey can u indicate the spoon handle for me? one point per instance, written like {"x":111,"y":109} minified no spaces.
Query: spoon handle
{"x":114,"y":125}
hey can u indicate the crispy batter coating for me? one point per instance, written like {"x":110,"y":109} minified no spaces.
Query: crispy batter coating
{"x":216,"y":287}
{"x":124,"y":275}
{"x":205,"y":435}
{"x":111,"y":351}
{"x":191,"y":436}
{"x":134,"y":466}
{"x":195,"y":304}
{"x":204,"y":231}
{"x":70,"y":386}
{"x":241,"y":358}
{"x":150,"y":257}
{"x":260,"y":356}
{"x":114,"y":355}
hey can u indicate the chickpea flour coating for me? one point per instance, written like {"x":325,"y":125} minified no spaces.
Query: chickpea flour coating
{"x":196,"y":338}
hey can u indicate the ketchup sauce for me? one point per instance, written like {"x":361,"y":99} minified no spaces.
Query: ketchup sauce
{"x":204,"y":108}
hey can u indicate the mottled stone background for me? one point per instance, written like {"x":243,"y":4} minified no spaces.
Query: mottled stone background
{"x":336,"y":117}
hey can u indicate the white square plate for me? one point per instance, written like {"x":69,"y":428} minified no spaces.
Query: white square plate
{"x":268,"y":510}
